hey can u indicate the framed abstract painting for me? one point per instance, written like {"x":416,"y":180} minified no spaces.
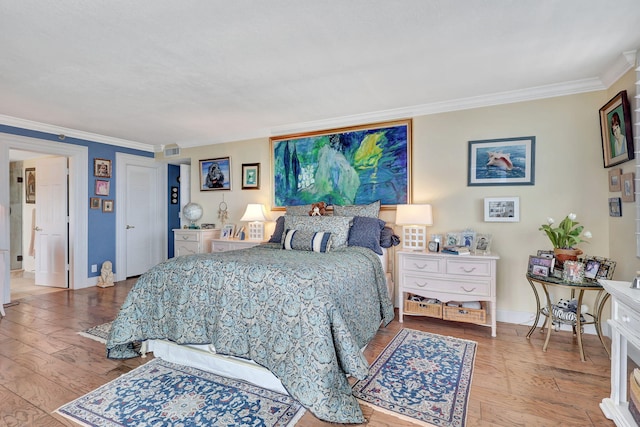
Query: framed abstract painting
{"x":347,"y":166}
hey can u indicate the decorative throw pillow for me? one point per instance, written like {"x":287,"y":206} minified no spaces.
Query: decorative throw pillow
{"x":276,"y":237}
{"x":372,"y":210}
{"x":338,"y":226}
{"x":298,"y":240}
{"x":365,"y":232}
{"x":301,"y":210}
{"x":388,"y":238}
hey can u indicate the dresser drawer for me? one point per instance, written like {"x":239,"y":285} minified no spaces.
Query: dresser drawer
{"x":469,"y":267}
{"x":417,"y":282}
{"x":422,"y":264}
{"x":628,"y":318}
{"x":187,"y":237}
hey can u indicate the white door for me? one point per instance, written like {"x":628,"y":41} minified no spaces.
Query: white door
{"x":140,"y":207}
{"x":51,"y":241}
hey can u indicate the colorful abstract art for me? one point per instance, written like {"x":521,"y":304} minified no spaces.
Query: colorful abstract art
{"x":357,"y":165}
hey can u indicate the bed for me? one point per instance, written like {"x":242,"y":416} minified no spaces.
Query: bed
{"x":302,"y":315}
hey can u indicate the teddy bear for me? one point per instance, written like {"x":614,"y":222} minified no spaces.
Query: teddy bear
{"x":318,"y":209}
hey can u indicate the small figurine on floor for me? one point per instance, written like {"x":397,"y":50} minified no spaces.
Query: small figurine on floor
{"x":106,"y":275}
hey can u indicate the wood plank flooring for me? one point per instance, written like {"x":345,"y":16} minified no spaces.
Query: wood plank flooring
{"x":44,"y":364}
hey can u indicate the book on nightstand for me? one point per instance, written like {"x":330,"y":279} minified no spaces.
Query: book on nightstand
{"x":456,"y":250}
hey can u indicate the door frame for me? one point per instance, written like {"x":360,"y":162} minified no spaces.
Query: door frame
{"x":78,"y":202}
{"x":159,"y":220}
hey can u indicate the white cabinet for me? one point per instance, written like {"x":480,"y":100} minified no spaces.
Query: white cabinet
{"x":224,"y":245}
{"x":448,"y":278}
{"x":193,"y":241}
{"x":625,"y":331}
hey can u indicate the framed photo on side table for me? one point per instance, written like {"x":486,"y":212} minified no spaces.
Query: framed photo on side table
{"x":228,"y":231}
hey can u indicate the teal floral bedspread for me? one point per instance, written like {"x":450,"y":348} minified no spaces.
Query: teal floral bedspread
{"x":303,"y":315}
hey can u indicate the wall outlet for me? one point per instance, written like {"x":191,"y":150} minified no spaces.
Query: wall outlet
{"x":94,"y":268}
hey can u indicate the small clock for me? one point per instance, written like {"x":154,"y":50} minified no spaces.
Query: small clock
{"x":433,"y":246}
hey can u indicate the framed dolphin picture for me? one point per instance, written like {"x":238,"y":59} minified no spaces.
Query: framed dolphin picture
{"x":506,"y":161}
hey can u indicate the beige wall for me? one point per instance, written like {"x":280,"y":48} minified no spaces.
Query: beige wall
{"x":569,"y":177}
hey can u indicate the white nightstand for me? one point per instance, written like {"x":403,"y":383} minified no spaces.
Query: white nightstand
{"x":193,"y":241}
{"x":224,"y":245}
{"x":447,"y":278}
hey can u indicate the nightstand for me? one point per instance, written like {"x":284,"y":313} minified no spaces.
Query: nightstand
{"x":224,"y":245}
{"x":188,"y":241}
{"x":444,"y":277}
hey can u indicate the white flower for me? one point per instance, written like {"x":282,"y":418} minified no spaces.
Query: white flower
{"x":587,"y":234}
{"x":572,"y":216}
{"x":550,"y":221}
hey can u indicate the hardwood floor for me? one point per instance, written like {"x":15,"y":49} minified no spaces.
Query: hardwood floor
{"x":44,"y":364}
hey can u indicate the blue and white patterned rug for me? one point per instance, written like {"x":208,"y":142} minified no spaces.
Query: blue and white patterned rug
{"x":98,"y":333}
{"x":167,"y":394}
{"x":421,"y":377}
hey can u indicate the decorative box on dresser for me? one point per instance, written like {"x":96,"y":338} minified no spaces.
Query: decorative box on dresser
{"x":188,"y":241}
{"x":224,"y":245}
{"x":460,"y":278}
{"x":625,"y":331}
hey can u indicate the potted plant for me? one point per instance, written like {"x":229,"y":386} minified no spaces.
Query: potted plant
{"x":565,"y":237}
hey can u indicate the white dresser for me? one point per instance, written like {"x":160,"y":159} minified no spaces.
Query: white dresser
{"x":193,"y":241}
{"x":447,"y":278}
{"x":625,"y":331}
{"x":224,"y":245}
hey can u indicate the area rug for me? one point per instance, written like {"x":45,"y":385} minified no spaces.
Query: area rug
{"x":421,"y":377}
{"x":98,"y":333}
{"x":164,"y":393}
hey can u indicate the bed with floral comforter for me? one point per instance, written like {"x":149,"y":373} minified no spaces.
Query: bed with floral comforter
{"x":303,"y":315}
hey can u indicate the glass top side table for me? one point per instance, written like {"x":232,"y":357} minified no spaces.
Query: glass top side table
{"x":586,"y":285}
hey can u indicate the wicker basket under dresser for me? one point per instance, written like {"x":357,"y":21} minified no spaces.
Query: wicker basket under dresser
{"x":460,"y":278}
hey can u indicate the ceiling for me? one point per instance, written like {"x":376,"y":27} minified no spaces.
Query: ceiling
{"x":149,"y":73}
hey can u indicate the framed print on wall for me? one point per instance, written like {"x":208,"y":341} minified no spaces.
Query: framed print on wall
{"x":102,"y":187}
{"x":30,"y":187}
{"x":355,"y":165}
{"x":251,"y":176}
{"x":506,"y":161}
{"x":615,"y":206}
{"x":102,"y":168}
{"x":614,"y":179}
{"x":107,"y":206}
{"x":95,"y":202}
{"x":616,"y":130}
{"x":627,"y":187}
{"x":215,"y":174}
{"x":502,"y":209}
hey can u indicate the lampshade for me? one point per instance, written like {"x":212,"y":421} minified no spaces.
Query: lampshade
{"x":414,"y":219}
{"x":414,"y":215}
{"x":256,"y":214}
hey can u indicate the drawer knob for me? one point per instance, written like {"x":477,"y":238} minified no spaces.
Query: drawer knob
{"x":420,"y":267}
{"x":185,"y":237}
{"x":626,"y":318}
{"x":422,"y":285}
{"x":467,"y":290}
{"x":468,"y":270}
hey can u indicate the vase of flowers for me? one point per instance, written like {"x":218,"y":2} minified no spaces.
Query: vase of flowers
{"x":565,"y":237}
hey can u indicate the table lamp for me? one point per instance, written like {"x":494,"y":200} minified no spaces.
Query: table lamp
{"x":414,"y":220}
{"x":256,"y":215}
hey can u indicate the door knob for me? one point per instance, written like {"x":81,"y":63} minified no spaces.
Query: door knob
{"x":130,"y":226}
{"x":37,"y":229}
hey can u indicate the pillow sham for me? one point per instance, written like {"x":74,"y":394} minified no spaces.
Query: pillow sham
{"x":337,"y":225}
{"x":372,"y":210}
{"x":299,"y":240}
{"x":365,"y":232}
{"x":276,"y":237}
{"x":301,"y":210}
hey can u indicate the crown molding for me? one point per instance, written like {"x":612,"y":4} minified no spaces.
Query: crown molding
{"x":73,"y":133}
{"x":625,"y":62}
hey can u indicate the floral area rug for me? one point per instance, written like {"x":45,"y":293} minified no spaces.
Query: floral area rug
{"x":98,"y":333}
{"x":421,"y":377}
{"x":164,"y":393}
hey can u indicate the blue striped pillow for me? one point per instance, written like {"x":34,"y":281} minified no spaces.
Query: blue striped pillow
{"x":300,"y":240}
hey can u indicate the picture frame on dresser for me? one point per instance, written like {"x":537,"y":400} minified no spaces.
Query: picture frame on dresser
{"x":227,"y":231}
{"x":483,"y":243}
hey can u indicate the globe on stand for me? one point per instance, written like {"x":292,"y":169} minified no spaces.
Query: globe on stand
{"x":192,"y":212}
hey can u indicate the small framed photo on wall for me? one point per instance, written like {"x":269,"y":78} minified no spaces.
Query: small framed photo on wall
{"x":615,"y":206}
{"x":627,"y":187}
{"x":102,"y":187}
{"x":102,"y":168}
{"x":251,"y":176}
{"x":614,"y":179}
{"x":502,"y":209}
{"x":95,"y":202}
{"x":107,"y":206}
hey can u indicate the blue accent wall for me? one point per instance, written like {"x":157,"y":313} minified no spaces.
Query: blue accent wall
{"x":101,"y":225}
{"x":173,"y":212}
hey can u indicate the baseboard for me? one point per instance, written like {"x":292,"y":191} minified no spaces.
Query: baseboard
{"x":526,"y":318}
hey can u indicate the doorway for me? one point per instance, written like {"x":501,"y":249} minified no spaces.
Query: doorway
{"x":39,"y":238}
{"x":78,"y":203}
